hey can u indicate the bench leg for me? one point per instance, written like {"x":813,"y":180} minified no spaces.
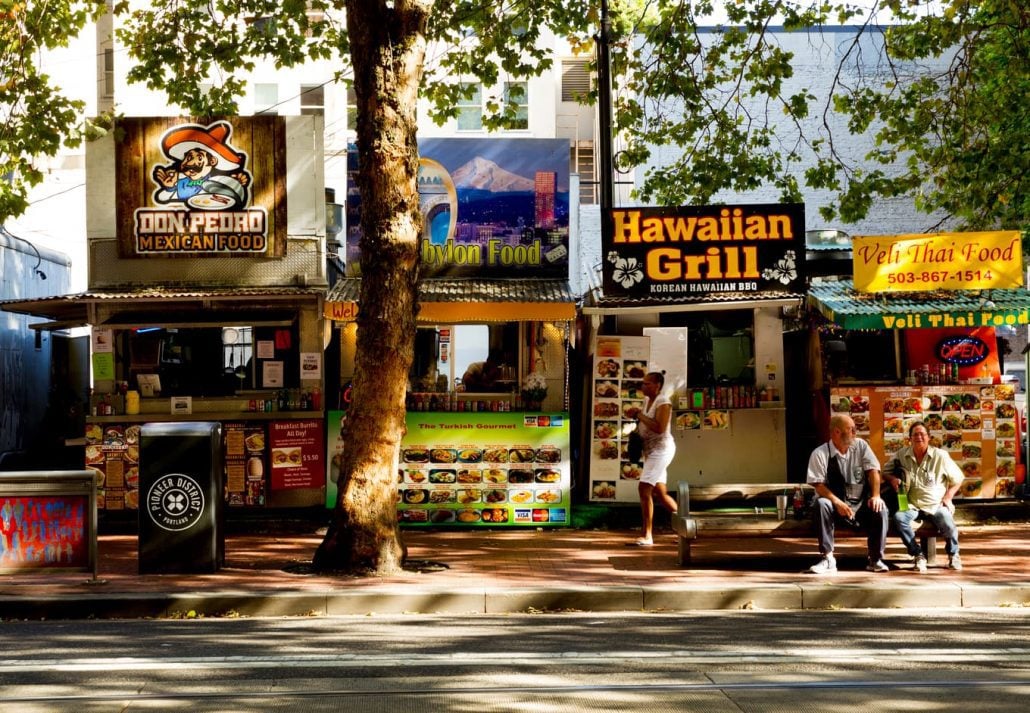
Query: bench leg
{"x":928,"y":545}
{"x":682,"y":551}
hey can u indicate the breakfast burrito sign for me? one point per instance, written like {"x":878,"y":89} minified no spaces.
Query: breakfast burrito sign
{"x":189,"y":187}
{"x":695,"y":251}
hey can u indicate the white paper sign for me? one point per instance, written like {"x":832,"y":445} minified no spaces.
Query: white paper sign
{"x":266,"y":349}
{"x":182,"y":405}
{"x":271,"y":374}
{"x":311,"y":365}
{"x":103,"y":341}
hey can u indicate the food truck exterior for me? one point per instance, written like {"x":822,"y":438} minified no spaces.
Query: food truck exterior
{"x":206,"y":249}
{"x":495,"y":302}
{"x":926,"y":307}
{"x":697,"y":292}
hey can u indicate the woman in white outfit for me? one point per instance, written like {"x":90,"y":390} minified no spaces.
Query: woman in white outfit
{"x":655,"y":426}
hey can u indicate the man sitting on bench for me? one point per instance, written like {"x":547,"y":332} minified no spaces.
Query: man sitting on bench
{"x":846,"y":476}
{"x":929,"y":479}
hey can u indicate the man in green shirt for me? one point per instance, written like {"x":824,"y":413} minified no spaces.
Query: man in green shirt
{"x":930,"y":479}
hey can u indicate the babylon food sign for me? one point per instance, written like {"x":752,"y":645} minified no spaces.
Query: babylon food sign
{"x":942,"y":261}
{"x":702,"y":250}
{"x":197,"y":188}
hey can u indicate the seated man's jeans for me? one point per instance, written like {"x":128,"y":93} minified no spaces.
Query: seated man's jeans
{"x":942,"y":519}
{"x":874,"y":524}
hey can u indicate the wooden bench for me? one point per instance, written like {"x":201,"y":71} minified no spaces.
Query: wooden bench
{"x":749,"y":510}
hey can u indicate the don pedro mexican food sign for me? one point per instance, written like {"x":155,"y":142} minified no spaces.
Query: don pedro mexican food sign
{"x":198,"y":188}
{"x":701,"y":250}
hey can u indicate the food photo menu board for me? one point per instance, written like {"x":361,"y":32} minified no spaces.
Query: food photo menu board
{"x":112,"y":451}
{"x":478,"y":469}
{"x":976,"y":424}
{"x":617,"y":385}
{"x":246,"y":462}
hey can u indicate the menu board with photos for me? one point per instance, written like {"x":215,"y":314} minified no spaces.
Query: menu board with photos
{"x":246,"y":459}
{"x":112,"y":451}
{"x":617,"y":385}
{"x":976,"y":424}
{"x":477,"y":469}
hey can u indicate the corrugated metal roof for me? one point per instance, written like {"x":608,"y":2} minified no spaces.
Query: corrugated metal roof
{"x":841,"y":303}
{"x":73,"y":307}
{"x":469,"y":290}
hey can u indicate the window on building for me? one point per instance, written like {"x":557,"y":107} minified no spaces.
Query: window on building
{"x":470,"y":108}
{"x":352,"y":108}
{"x":582,"y":163}
{"x":516,"y":94}
{"x":108,"y":72}
{"x":312,"y":99}
{"x":266,"y":98}
{"x":575,"y":79}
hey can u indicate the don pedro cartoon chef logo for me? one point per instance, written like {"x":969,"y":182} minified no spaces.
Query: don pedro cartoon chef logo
{"x":175,"y":502}
{"x":206,"y":171}
{"x":202,"y":191}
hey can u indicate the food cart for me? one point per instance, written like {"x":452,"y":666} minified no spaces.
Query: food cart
{"x":495,"y":290}
{"x":206,"y":253}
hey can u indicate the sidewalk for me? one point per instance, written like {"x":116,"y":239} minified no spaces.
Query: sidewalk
{"x":492,"y":571}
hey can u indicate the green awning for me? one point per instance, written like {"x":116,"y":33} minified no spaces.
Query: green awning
{"x":841,"y":304}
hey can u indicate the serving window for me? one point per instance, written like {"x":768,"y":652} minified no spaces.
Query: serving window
{"x":212,"y":361}
{"x":446,"y":355}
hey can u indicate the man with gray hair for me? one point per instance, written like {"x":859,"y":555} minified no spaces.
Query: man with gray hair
{"x":846,"y":476}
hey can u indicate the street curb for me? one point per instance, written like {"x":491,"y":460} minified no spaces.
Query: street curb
{"x":399,"y":600}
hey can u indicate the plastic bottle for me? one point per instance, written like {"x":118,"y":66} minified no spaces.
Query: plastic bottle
{"x":799,"y":502}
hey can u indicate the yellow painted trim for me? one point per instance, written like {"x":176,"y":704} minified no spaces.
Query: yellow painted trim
{"x":450,"y":312}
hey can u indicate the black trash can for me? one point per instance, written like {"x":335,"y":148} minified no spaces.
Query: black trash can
{"x":180,"y":498}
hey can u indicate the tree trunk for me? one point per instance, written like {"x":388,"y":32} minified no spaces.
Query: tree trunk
{"x":387,"y":51}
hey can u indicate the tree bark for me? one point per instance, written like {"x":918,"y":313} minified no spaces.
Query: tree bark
{"x":387,"y":51}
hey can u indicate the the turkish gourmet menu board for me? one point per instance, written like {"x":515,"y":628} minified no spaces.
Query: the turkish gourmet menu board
{"x":976,"y":424}
{"x":485,"y":469}
{"x":617,"y":384}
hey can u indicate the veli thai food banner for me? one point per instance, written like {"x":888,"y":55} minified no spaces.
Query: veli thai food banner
{"x":617,"y":384}
{"x":976,"y":424}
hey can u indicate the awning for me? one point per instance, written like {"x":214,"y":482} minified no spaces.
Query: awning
{"x":166,"y":306}
{"x":469,"y":300}
{"x":600,"y":305}
{"x":841,"y":304}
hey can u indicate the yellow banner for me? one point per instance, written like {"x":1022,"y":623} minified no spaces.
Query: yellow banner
{"x":942,"y":261}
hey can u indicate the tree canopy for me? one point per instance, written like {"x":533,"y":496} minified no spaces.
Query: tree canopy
{"x":938,"y":108}
{"x":706,"y":77}
{"x":36,"y":118}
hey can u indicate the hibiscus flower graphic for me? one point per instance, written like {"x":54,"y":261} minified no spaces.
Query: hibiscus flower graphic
{"x":784,"y":271}
{"x":627,"y":270}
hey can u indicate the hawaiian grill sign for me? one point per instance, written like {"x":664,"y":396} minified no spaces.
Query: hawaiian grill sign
{"x":694,"y":251}
{"x":206,"y":188}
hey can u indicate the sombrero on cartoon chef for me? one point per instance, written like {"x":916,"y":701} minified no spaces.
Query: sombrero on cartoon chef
{"x":212,"y":138}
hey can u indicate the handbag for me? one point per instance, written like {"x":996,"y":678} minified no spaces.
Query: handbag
{"x":635,"y":446}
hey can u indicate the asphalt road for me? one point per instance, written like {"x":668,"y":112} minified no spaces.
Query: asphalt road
{"x":948,"y":660}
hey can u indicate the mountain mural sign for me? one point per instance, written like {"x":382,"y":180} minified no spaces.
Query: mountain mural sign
{"x":492,"y":208}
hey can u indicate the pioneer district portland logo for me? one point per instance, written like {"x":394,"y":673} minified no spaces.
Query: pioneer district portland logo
{"x":175,"y":502}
